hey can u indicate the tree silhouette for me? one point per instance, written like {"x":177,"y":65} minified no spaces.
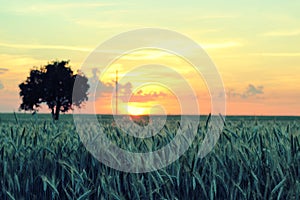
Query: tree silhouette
{"x":53,"y":84}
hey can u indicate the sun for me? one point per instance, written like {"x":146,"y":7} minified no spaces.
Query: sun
{"x":135,"y":110}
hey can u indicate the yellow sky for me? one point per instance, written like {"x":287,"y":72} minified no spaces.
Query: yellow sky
{"x":148,"y":78}
{"x":253,"y":45}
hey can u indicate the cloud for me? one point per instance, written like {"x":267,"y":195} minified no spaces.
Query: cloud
{"x":50,"y":7}
{"x":211,"y":17}
{"x":97,"y":88}
{"x":282,"y":33}
{"x":38,"y":46}
{"x":223,"y":45}
{"x":141,"y":96}
{"x":217,"y":17}
{"x":125,"y":92}
{"x":250,"y":91}
{"x":107,"y":89}
{"x":102,"y":24}
{"x":295,"y":54}
{"x":148,"y":54}
{"x":3,"y":70}
{"x":101,"y":89}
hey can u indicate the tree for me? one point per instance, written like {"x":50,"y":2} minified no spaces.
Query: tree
{"x":53,"y":84}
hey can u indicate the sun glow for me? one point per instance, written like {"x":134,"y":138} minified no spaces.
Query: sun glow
{"x":135,"y":110}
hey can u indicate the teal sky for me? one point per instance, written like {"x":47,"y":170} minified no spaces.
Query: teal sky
{"x":251,"y":42}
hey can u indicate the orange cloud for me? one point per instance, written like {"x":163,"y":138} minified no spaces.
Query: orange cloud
{"x":141,"y":96}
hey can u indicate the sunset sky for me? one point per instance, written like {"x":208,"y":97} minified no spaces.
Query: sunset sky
{"x":254,"y":45}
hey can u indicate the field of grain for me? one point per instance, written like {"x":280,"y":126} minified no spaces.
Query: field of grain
{"x":255,"y":158}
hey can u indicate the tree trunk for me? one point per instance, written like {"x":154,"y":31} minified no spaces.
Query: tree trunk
{"x":57,"y":110}
{"x":52,"y":113}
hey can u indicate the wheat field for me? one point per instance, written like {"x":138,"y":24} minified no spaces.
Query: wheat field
{"x":255,"y":158}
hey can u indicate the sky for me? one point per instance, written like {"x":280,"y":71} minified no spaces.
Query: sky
{"x":253,"y":44}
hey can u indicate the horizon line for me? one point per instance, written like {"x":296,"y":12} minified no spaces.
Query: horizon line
{"x":230,"y":115}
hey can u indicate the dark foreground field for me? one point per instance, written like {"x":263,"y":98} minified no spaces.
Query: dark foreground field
{"x":255,"y":158}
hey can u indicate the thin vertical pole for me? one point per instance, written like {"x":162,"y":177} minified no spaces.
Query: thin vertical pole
{"x":117,"y":92}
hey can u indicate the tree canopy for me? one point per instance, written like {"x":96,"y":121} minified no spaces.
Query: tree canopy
{"x":53,"y":84}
